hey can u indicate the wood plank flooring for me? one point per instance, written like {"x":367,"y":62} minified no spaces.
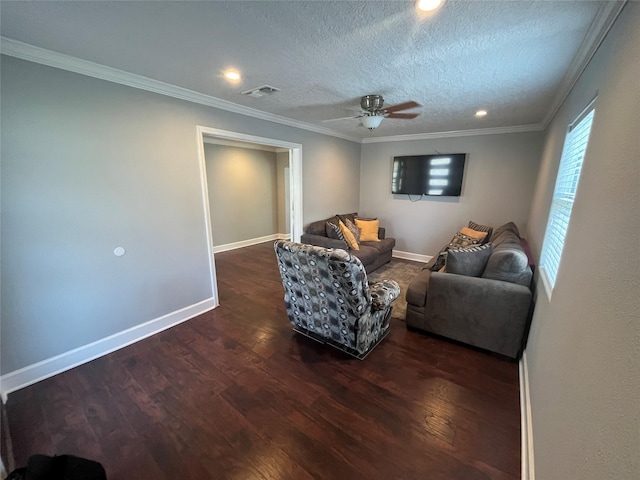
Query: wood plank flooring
{"x":235,"y":394}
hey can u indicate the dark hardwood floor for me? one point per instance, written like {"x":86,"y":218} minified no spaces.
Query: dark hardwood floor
{"x":235,"y":394}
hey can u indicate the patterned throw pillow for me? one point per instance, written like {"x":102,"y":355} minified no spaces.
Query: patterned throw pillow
{"x":355,"y":231}
{"x":469,"y":261}
{"x":480,"y":236}
{"x":465,"y":238}
{"x":347,"y":216}
{"x":337,"y":232}
{"x":330,"y":227}
{"x":478,"y":228}
{"x":481,"y":228}
{"x":460,"y":240}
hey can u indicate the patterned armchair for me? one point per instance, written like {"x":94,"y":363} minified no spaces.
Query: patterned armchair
{"x":328,"y":298}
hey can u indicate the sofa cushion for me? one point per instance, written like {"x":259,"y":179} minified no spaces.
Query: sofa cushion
{"x":330,"y":223}
{"x":510,"y":226}
{"x":383,"y":245}
{"x":509,"y":265}
{"x":322,"y":241}
{"x":506,"y":238}
{"x":336,"y":233}
{"x":347,"y":216}
{"x":317,"y":228}
{"x":469,"y":261}
{"x":368,"y":230}
{"x":367,"y":255}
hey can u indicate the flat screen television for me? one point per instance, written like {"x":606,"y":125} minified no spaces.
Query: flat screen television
{"x":439,"y":175}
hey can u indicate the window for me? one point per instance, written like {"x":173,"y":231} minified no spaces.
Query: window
{"x":564,"y":194}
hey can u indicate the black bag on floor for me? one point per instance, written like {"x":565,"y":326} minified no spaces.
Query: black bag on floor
{"x":63,"y":467}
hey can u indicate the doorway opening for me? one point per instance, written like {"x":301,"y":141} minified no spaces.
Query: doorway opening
{"x":293,"y":179}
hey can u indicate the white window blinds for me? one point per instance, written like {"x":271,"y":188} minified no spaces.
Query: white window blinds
{"x":564,"y":194}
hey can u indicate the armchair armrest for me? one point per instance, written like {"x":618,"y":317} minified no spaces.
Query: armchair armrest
{"x":383,"y":293}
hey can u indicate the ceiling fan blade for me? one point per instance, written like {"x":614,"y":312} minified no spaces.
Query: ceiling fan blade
{"x":402,"y":115}
{"x":402,"y":106}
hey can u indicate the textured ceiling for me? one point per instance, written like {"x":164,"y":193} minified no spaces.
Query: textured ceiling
{"x":507,"y":57}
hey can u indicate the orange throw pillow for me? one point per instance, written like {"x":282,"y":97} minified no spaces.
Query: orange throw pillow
{"x":473,"y":233}
{"x":368,"y":230}
{"x":348,"y":237}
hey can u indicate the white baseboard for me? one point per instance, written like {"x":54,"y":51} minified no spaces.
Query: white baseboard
{"x":526,"y":432}
{"x":28,"y":375}
{"x":417,"y":257}
{"x":252,"y":241}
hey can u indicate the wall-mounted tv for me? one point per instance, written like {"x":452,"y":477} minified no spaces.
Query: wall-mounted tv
{"x":439,"y":175}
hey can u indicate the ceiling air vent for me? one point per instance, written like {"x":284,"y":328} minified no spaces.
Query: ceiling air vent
{"x":261,"y":91}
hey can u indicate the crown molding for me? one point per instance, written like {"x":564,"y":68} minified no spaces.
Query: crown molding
{"x":457,"y":133}
{"x":31,"y":53}
{"x":600,"y":26}
{"x":240,"y":144}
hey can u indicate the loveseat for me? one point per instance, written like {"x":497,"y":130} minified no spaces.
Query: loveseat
{"x":373,"y":254}
{"x":479,"y":294}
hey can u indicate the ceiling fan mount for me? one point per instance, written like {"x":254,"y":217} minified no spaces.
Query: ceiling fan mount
{"x":374,"y":111}
{"x":371,"y":103}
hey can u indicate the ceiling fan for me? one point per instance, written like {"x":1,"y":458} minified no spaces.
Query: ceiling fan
{"x":373,"y":111}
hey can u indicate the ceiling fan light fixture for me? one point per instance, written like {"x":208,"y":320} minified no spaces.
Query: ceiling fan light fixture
{"x":371,"y":121}
{"x":428,"y":5}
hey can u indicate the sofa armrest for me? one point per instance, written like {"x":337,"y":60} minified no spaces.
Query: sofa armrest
{"x":489,"y":314}
{"x":417,"y":289}
{"x":432,"y":262}
{"x":321,"y":241}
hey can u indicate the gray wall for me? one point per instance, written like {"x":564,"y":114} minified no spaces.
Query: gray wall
{"x":89,"y":165}
{"x":334,"y":185}
{"x":583,"y":350}
{"x":243,"y":194}
{"x":499,"y":177}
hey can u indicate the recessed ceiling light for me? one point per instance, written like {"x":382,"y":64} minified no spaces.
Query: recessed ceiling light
{"x":232,"y":75}
{"x":481,"y":113}
{"x":428,"y":5}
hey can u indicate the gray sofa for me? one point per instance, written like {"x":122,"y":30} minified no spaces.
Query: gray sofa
{"x":372,"y":254}
{"x":490,"y":310}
